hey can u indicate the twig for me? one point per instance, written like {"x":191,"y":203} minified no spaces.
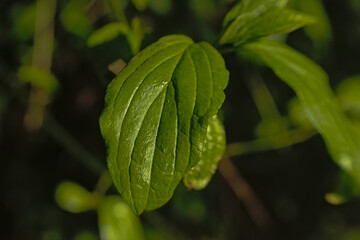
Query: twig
{"x":281,"y":140}
{"x":246,"y":195}
{"x":72,"y":146}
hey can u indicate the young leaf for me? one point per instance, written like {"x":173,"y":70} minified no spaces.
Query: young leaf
{"x":311,"y":85}
{"x":117,"y":221}
{"x":200,"y":175}
{"x":74,"y":17}
{"x":140,"y":4}
{"x":107,"y":33}
{"x":274,"y":20}
{"x":349,"y":97}
{"x":38,"y":77}
{"x":74,"y":198}
{"x":246,"y":10}
{"x":156,"y":118}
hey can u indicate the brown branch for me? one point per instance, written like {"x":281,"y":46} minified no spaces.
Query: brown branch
{"x":245,"y":194}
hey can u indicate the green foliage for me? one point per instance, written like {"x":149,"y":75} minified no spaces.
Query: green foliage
{"x":161,"y":6}
{"x":74,"y":198}
{"x":156,"y":117}
{"x":297,"y":115}
{"x":24,"y":23}
{"x":38,"y":78}
{"x":110,"y":31}
{"x":319,"y":32}
{"x":74,"y":18}
{"x":117,"y":221}
{"x":107,"y":33}
{"x":200,"y":175}
{"x":261,"y":22}
{"x":311,"y":85}
{"x":140,"y":4}
{"x":349,"y":97}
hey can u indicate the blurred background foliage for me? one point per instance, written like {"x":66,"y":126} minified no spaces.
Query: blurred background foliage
{"x":56,"y":59}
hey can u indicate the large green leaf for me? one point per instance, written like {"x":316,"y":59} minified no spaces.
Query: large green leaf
{"x":311,"y":85}
{"x":117,"y":221}
{"x":200,"y":175}
{"x":156,"y":118}
{"x":263,"y":22}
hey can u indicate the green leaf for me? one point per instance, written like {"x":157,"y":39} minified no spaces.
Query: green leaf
{"x":117,"y":221}
{"x":134,"y":35}
{"x":24,"y":22}
{"x":107,"y":33}
{"x":141,"y":4}
{"x":74,"y":198}
{"x":297,"y":115}
{"x":200,"y":175}
{"x":311,"y":85}
{"x":274,"y":20}
{"x":349,"y":97}
{"x":156,"y":118}
{"x":74,"y":17}
{"x":38,"y":77}
{"x":246,"y":10}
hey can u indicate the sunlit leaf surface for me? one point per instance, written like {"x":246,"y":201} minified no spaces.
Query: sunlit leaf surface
{"x":156,"y":118}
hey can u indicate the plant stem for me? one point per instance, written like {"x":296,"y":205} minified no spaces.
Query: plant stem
{"x":42,"y":58}
{"x":262,"y":97}
{"x":281,"y":140}
{"x":245,"y":193}
{"x":72,"y":146}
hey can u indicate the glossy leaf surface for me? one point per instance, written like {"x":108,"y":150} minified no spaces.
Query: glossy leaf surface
{"x":156,"y":118}
{"x":200,"y":175}
{"x":311,"y":85}
{"x":117,"y":221}
{"x":259,"y":20}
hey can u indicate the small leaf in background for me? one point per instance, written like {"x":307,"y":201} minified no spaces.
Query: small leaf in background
{"x":270,"y":126}
{"x":141,"y":4}
{"x":156,"y":117}
{"x":117,"y":221}
{"x":200,"y":175}
{"x":297,"y":115}
{"x":85,"y":235}
{"x":311,"y":85}
{"x":348,"y":93}
{"x":136,"y":35}
{"x":74,"y":198}
{"x":24,"y":22}
{"x":38,"y":77}
{"x":74,"y":17}
{"x":161,"y":7}
{"x":117,"y":7}
{"x":271,"y":21}
{"x":107,"y":33}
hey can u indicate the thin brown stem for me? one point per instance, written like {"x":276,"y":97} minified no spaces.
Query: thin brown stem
{"x":245,"y":194}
